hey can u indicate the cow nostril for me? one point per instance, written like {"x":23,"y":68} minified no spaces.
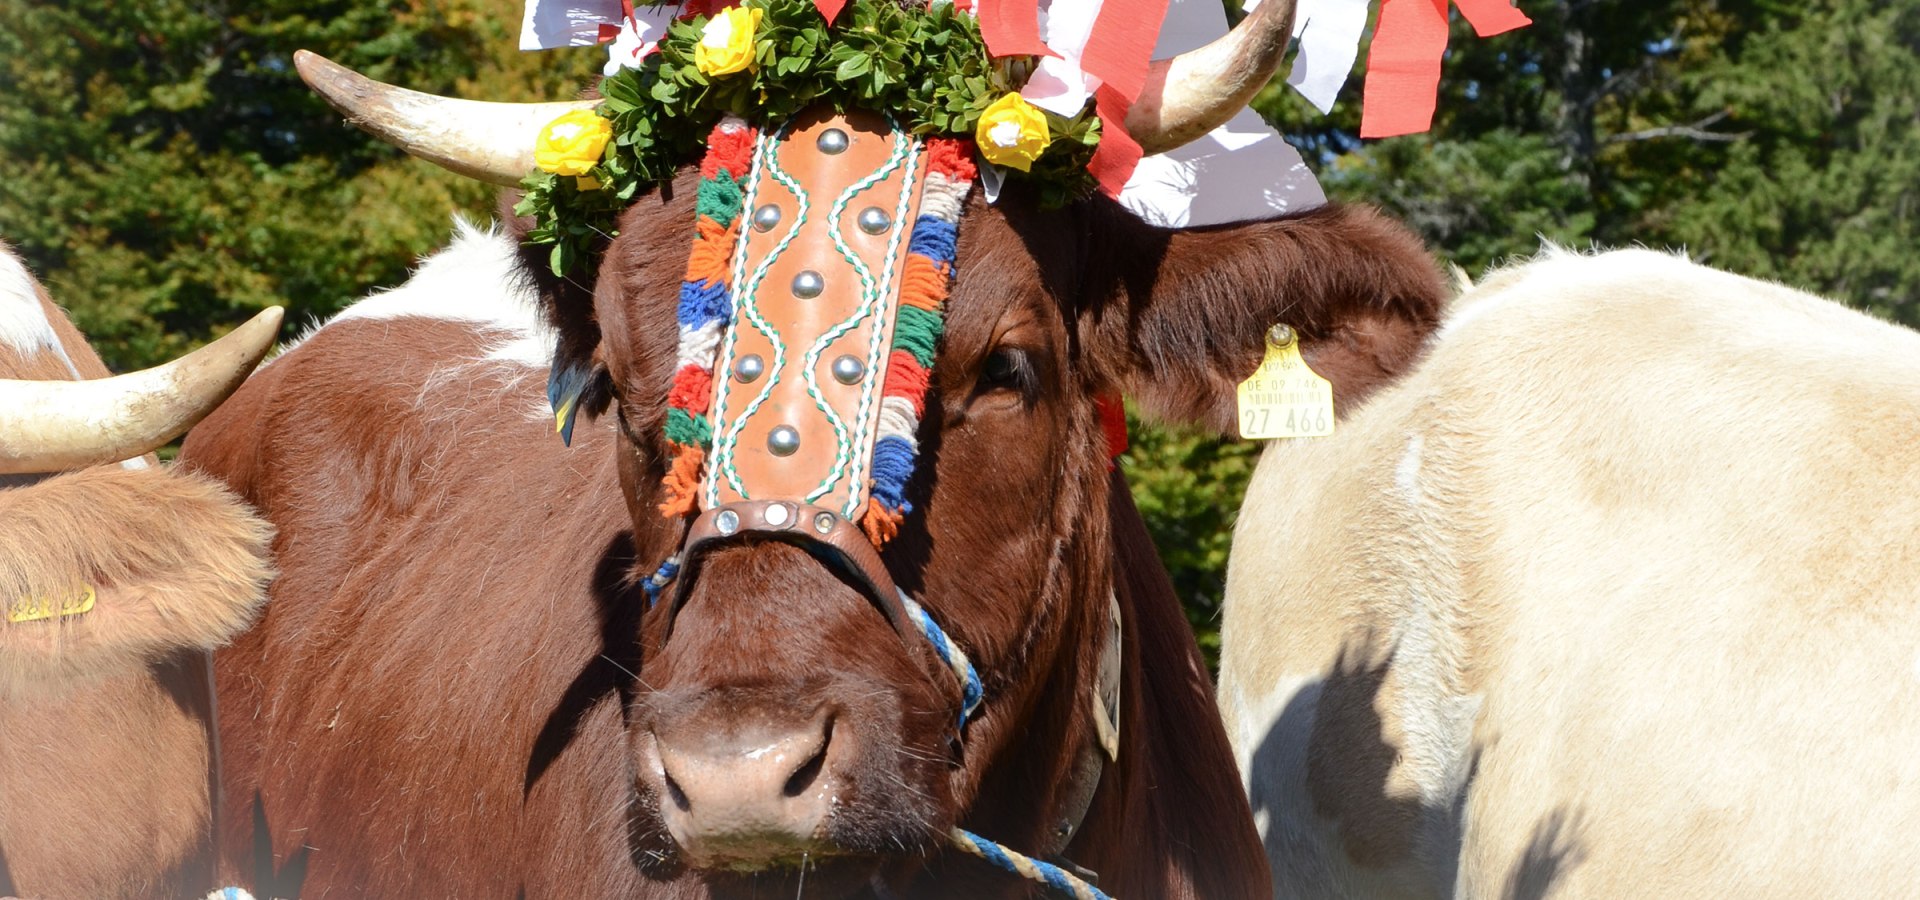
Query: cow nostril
{"x":809,"y":771}
{"x":674,"y":793}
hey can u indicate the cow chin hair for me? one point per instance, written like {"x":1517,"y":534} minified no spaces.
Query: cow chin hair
{"x":176,"y":561}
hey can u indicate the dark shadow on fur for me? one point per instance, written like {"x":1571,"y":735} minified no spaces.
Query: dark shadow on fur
{"x":270,"y":880}
{"x":620,"y":605}
{"x":1554,"y":849}
{"x":6,"y":876}
{"x":1333,"y":724}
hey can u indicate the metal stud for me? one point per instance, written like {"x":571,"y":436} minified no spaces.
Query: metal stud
{"x":823,"y":522}
{"x":766,"y":217}
{"x":727,"y":521}
{"x":778,"y":515}
{"x":848,"y":370}
{"x":749,"y":367}
{"x":808,"y":285}
{"x":783,"y":441}
{"x":874,"y":220}
{"x":832,"y":141}
{"x":1280,"y":335}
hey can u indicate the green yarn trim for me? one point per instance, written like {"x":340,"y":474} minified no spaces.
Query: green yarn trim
{"x":916,"y":331}
{"x":687,"y":430}
{"x":720,"y":198}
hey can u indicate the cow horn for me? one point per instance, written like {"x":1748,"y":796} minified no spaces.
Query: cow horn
{"x":1195,"y":92}
{"x":53,"y":426}
{"x":492,"y":142}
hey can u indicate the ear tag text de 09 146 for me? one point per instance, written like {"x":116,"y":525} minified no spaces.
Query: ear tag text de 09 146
{"x":1285,"y":398}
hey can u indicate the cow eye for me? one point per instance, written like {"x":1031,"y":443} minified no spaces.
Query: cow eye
{"x":1008,"y":369}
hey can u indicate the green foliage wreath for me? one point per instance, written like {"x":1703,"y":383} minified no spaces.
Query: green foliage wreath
{"x":929,"y":68}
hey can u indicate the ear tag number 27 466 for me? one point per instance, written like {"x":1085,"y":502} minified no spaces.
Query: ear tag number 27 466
{"x":1285,"y":398}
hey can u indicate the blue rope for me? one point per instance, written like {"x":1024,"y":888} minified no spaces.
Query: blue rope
{"x":971,"y":691}
{"x":1025,"y":866}
{"x":660,"y":578}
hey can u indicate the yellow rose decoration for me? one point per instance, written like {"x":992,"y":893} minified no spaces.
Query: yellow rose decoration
{"x":726,"y":42}
{"x":1012,"y":133}
{"x":571,"y":144}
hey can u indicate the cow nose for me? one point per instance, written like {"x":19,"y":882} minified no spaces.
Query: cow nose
{"x":749,"y":796}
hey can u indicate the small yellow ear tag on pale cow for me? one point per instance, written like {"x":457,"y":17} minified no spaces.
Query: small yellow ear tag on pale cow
{"x":33,"y":609}
{"x":1285,"y":398}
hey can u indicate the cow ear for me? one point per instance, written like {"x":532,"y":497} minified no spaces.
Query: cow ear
{"x":1183,"y":313}
{"x":577,"y":382}
{"x":107,"y":569}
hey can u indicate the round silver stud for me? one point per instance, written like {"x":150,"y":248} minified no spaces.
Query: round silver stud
{"x":874,"y":220}
{"x":848,"y":370}
{"x":766,"y":217}
{"x":727,"y":521}
{"x":783,"y":441}
{"x":1280,"y":335}
{"x":808,"y":285}
{"x":749,"y":367}
{"x":777,"y":515}
{"x":823,"y":522}
{"x":832,"y":140}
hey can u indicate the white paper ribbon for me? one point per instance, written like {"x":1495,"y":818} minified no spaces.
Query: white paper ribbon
{"x":1329,"y":35}
{"x":566,"y":23}
{"x":1241,"y":170}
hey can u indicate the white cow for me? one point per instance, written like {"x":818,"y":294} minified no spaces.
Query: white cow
{"x":1617,"y":594}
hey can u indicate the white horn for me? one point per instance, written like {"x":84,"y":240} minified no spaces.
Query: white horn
{"x":492,"y":142}
{"x":1189,"y":95}
{"x":54,"y":426}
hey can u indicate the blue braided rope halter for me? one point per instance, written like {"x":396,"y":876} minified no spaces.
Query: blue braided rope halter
{"x":972,"y":692}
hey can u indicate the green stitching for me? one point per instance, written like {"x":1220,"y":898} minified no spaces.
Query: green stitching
{"x":906,"y":149}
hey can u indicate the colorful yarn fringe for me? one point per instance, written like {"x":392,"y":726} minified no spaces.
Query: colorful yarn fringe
{"x":916,"y":332}
{"x":706,"y":307}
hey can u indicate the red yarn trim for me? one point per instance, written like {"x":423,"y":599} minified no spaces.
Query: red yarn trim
{"x":952,"y":157}
{"x":906,"y":379}
{"x":729,"y":150}
{"x":692,"y":389}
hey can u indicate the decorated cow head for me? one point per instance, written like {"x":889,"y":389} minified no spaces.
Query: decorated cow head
{"x":861,"y":419}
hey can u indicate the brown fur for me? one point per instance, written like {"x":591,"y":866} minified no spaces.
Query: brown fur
{"x":456,"y":688}
{"x":105,"y":716}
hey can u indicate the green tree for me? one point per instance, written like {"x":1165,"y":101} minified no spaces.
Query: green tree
{"x":166,"y":173}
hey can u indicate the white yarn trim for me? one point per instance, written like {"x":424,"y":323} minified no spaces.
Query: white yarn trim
{"x":944,"y":198}
{"x":698,"y":345}
{"x":897,"y":420}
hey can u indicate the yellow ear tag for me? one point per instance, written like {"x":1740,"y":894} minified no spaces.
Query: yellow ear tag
{"x":1285,"y":398}
{"x":32,"y":609}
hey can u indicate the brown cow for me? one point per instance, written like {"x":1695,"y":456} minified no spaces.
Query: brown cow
{"x":459,"y":691}
{"x":116,"y":578}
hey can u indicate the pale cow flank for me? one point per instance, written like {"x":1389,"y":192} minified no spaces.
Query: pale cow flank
{"x":1613,"y":596}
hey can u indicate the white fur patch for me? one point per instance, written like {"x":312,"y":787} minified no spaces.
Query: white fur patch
{"x":1406,"y":475}
{"x":23,"y":319}
{"x":475,"y":279}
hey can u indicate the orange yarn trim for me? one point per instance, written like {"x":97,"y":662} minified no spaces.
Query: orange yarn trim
{"x":683,"y":483}
{"x":880,"y":523}
{"x":712,"y":258}
{"x":923,"y":283}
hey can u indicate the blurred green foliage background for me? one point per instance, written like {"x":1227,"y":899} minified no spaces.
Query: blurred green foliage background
{"x":165,"y":172}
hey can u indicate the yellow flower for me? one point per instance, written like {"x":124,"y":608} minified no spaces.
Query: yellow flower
{"x":1012,"y":132}
{"x":726,"y":42}
{"x":571,"y":144}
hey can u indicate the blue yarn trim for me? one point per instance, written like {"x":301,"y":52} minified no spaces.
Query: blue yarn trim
{"x":892,"y":466}
{"x":934,"y":238}
{"x":703,"y":303}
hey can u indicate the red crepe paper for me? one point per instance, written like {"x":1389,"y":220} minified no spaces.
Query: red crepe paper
{"x":1491,"y":17}
{"x":1121,"y":44}
{"x":829,"y":8}
{"x":1011,"y":28}
{"x":1117,"y":154}
{"x":1113,"y":422}
{"x":1403,"y":72}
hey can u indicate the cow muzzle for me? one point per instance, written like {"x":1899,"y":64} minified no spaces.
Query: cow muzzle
{"x":755,"y":794}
